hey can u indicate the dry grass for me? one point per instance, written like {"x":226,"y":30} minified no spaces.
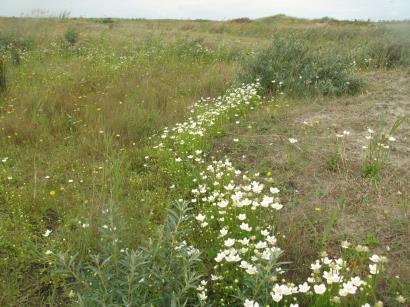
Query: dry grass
{"x":325,"y":206}
{"x":72,"y":113}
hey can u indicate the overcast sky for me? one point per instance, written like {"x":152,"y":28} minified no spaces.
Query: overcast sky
{"x":214,"y":9}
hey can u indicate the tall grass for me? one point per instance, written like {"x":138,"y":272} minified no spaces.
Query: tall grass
{"x":68,"y":111}
{"x":3,"y":85}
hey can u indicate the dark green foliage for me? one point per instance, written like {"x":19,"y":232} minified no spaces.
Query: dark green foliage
{"x":292,"y":66}
{"x":107,"y":20}
{"x":71,"y":36}
{"x":11,"y":41}
{"x":371,"y":170}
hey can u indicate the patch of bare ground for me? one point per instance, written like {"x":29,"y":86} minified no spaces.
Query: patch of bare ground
{"x":327,"y":201}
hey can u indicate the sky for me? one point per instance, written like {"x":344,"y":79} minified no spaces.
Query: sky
{"x":213,"y":9}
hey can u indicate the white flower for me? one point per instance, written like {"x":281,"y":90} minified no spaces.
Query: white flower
{"x":244,"y":241}
{"x":345,"y":244}
{"x":375,"y":258}
{"x":401,"y":299}
{"x":315,"y":266}
{"x":229,"y":242}
{"x":345,"y":132}
{"x":319,"y":289}
{"x":332,"y":277}
{"x":244,"y":264}
{"x":232,"y":258}
{"x":48,"y":252}
{"x":266,"y":201}
{"x":251,"y":270}
{"x":277,"y":297}
{"x":242,"y":217}
{"x":356,"y":281}
{"x":245,"y":227}
{"x":47,"y":233}
{"x":215,"y":277}
{"x":370,"y":130}
{"x":294,"y":305}
{"x":223,"y":232}
{"x":361,"y":248}
{"x":223,"y":204}
{"x":271,"y":240}
{"x":265,"y":232}
{"x":392,"y":139}
{"x":256,"y":187}
{"x":348,"y":288}
{"x":202,"y":296}
{"x":366,"y":305}
{"x":303,"y":288}
{"x":373,"y":269}
{"x":274,"y":190}
{"x":219,"y":257}
{"x":200,"y":217}
{"x":292,"y":140}
{"x":277,"y":206}
{"x":249,"y":303}
{"x":261,"y":245}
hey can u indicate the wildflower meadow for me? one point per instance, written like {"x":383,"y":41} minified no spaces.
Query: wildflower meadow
{"x":284,"y":184}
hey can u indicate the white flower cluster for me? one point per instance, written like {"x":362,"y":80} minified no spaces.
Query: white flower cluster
{"x":207,"y":112}
{"x":233,"y":211}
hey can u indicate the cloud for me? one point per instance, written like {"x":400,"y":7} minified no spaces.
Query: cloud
{"x":215,"y":9}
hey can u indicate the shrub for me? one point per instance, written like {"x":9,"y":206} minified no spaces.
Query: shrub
{"x":71,"y":36}
{"x":292,"y":66}
{"x":241,"y":20}
{"x":106,"y":20}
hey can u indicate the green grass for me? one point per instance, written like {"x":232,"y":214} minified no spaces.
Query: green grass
{"x":81,"y":101}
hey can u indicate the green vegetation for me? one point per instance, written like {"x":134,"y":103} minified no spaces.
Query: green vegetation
{"x":89,"y":170}
{"x":3,"y":85}
{"x":71,"y":36}
{"x":291,"y":65}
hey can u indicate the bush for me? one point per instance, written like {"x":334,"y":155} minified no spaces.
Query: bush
{"x":107,"y":20}
{"x":71,"y":36}
{"x":292,"y":66}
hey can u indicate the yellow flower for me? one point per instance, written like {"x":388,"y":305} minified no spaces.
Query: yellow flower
{"x":269,"y":174}
{"x":317,"y":209}
{"x":52,"y":193}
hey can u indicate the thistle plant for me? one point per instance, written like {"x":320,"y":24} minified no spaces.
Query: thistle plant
{"x":163,"y":274}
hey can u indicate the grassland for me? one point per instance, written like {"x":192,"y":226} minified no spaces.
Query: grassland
{"x":81,"y":112}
